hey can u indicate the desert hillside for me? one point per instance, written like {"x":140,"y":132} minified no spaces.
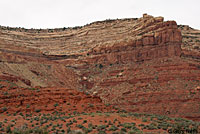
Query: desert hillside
{"x":143,"y":68}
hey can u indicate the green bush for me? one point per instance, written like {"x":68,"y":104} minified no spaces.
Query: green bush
{"x":27,"y":106}
{"x":113,"y":128}
{"x":8,"y":129}
{"x":100,"y":66}
{"x":85,"y":121}
{"x":29,"y":131}
{"x":74,"y":120}
{"x":55,"y":105}
{"x":101,"y":132}
{"x":144,"y":120}
{"x":123,"y":129}
{"x":38,"y":110}
{"x":151,"y":126}
{"x":79,"y":126}
{"x":101,"y":127}
{"x":88,"y":130}
{"x":135,"y":132}
{"x":3,"y":109}
{"x":128,"y":125}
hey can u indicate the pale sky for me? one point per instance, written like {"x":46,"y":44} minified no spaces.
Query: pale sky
{"x":69,"y":13}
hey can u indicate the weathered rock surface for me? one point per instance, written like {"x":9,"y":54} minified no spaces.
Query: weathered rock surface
{"x":136,"y":64}
{"x":49,"y":100}
{"x":191,"y":42}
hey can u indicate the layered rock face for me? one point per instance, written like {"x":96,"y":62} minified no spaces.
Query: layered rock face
{"x":48,"y":100}
{"x":153,"y":39}
{"x":135,"y":64}
{"x":107,"y":42}
{"x":99,"y":37}
{"x":191,"y":42}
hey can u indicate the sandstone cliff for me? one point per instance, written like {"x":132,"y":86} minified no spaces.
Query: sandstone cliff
{"x":135,"y":64}
{"x":191,"y":42}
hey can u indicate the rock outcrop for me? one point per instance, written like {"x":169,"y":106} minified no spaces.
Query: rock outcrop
{"x":135,"y":64}
{"x":49,"y":100}
{"x":191,"y":43}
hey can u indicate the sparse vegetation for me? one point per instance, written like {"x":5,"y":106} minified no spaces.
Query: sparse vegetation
{"x":111,"y":74}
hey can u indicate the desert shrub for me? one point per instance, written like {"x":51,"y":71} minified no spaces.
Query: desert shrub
{"x":135,"y":132}
{"x":55,"y":105}
{"x":2,"y":129}
{"x":107,"y":104}
{"x":64,"y":28}
{"x":90,"y":105}
{"x":151,"y":126}
{"x":141,"y":125}
{"x":85,"y":121}
{"x":123,"y":115}
{"x":123,"y":129}
{"x":68,"y":130}
{"x":100,"y":66}
{"x":80,"y":118}
{"x":101,"y":127}
{"x":38,"y":110}
{"x":136,"y":114}
{"x":156,"y":77}
{"x":163,"y":125}
{"x":74,"y":120}
{"x":144,"y":120}
{"x":32,"y":89}
{"x":3,"y":109}
{"x":27,"y":106}
{"x":63,"y":131}
{"x":8,"y":129}
{"x":68,"y":124}
{"x":87,"y":130}
{"x":77,"y":27}
{"x":79,"y":126}
{"x":36,"y":118}
{"x":101,"y":132}
{"x":1,"y":86}
{"x":5,"y":93}
{"x":90,"y":125}
{"x":110,"y":123}
{"x":29,"y":131}
{"x":114,"y":120}
{"x":113,"y":128}
{"x":128,"y":125}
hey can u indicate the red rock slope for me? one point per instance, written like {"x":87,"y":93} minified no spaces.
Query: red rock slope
{"x":135,"y":64}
